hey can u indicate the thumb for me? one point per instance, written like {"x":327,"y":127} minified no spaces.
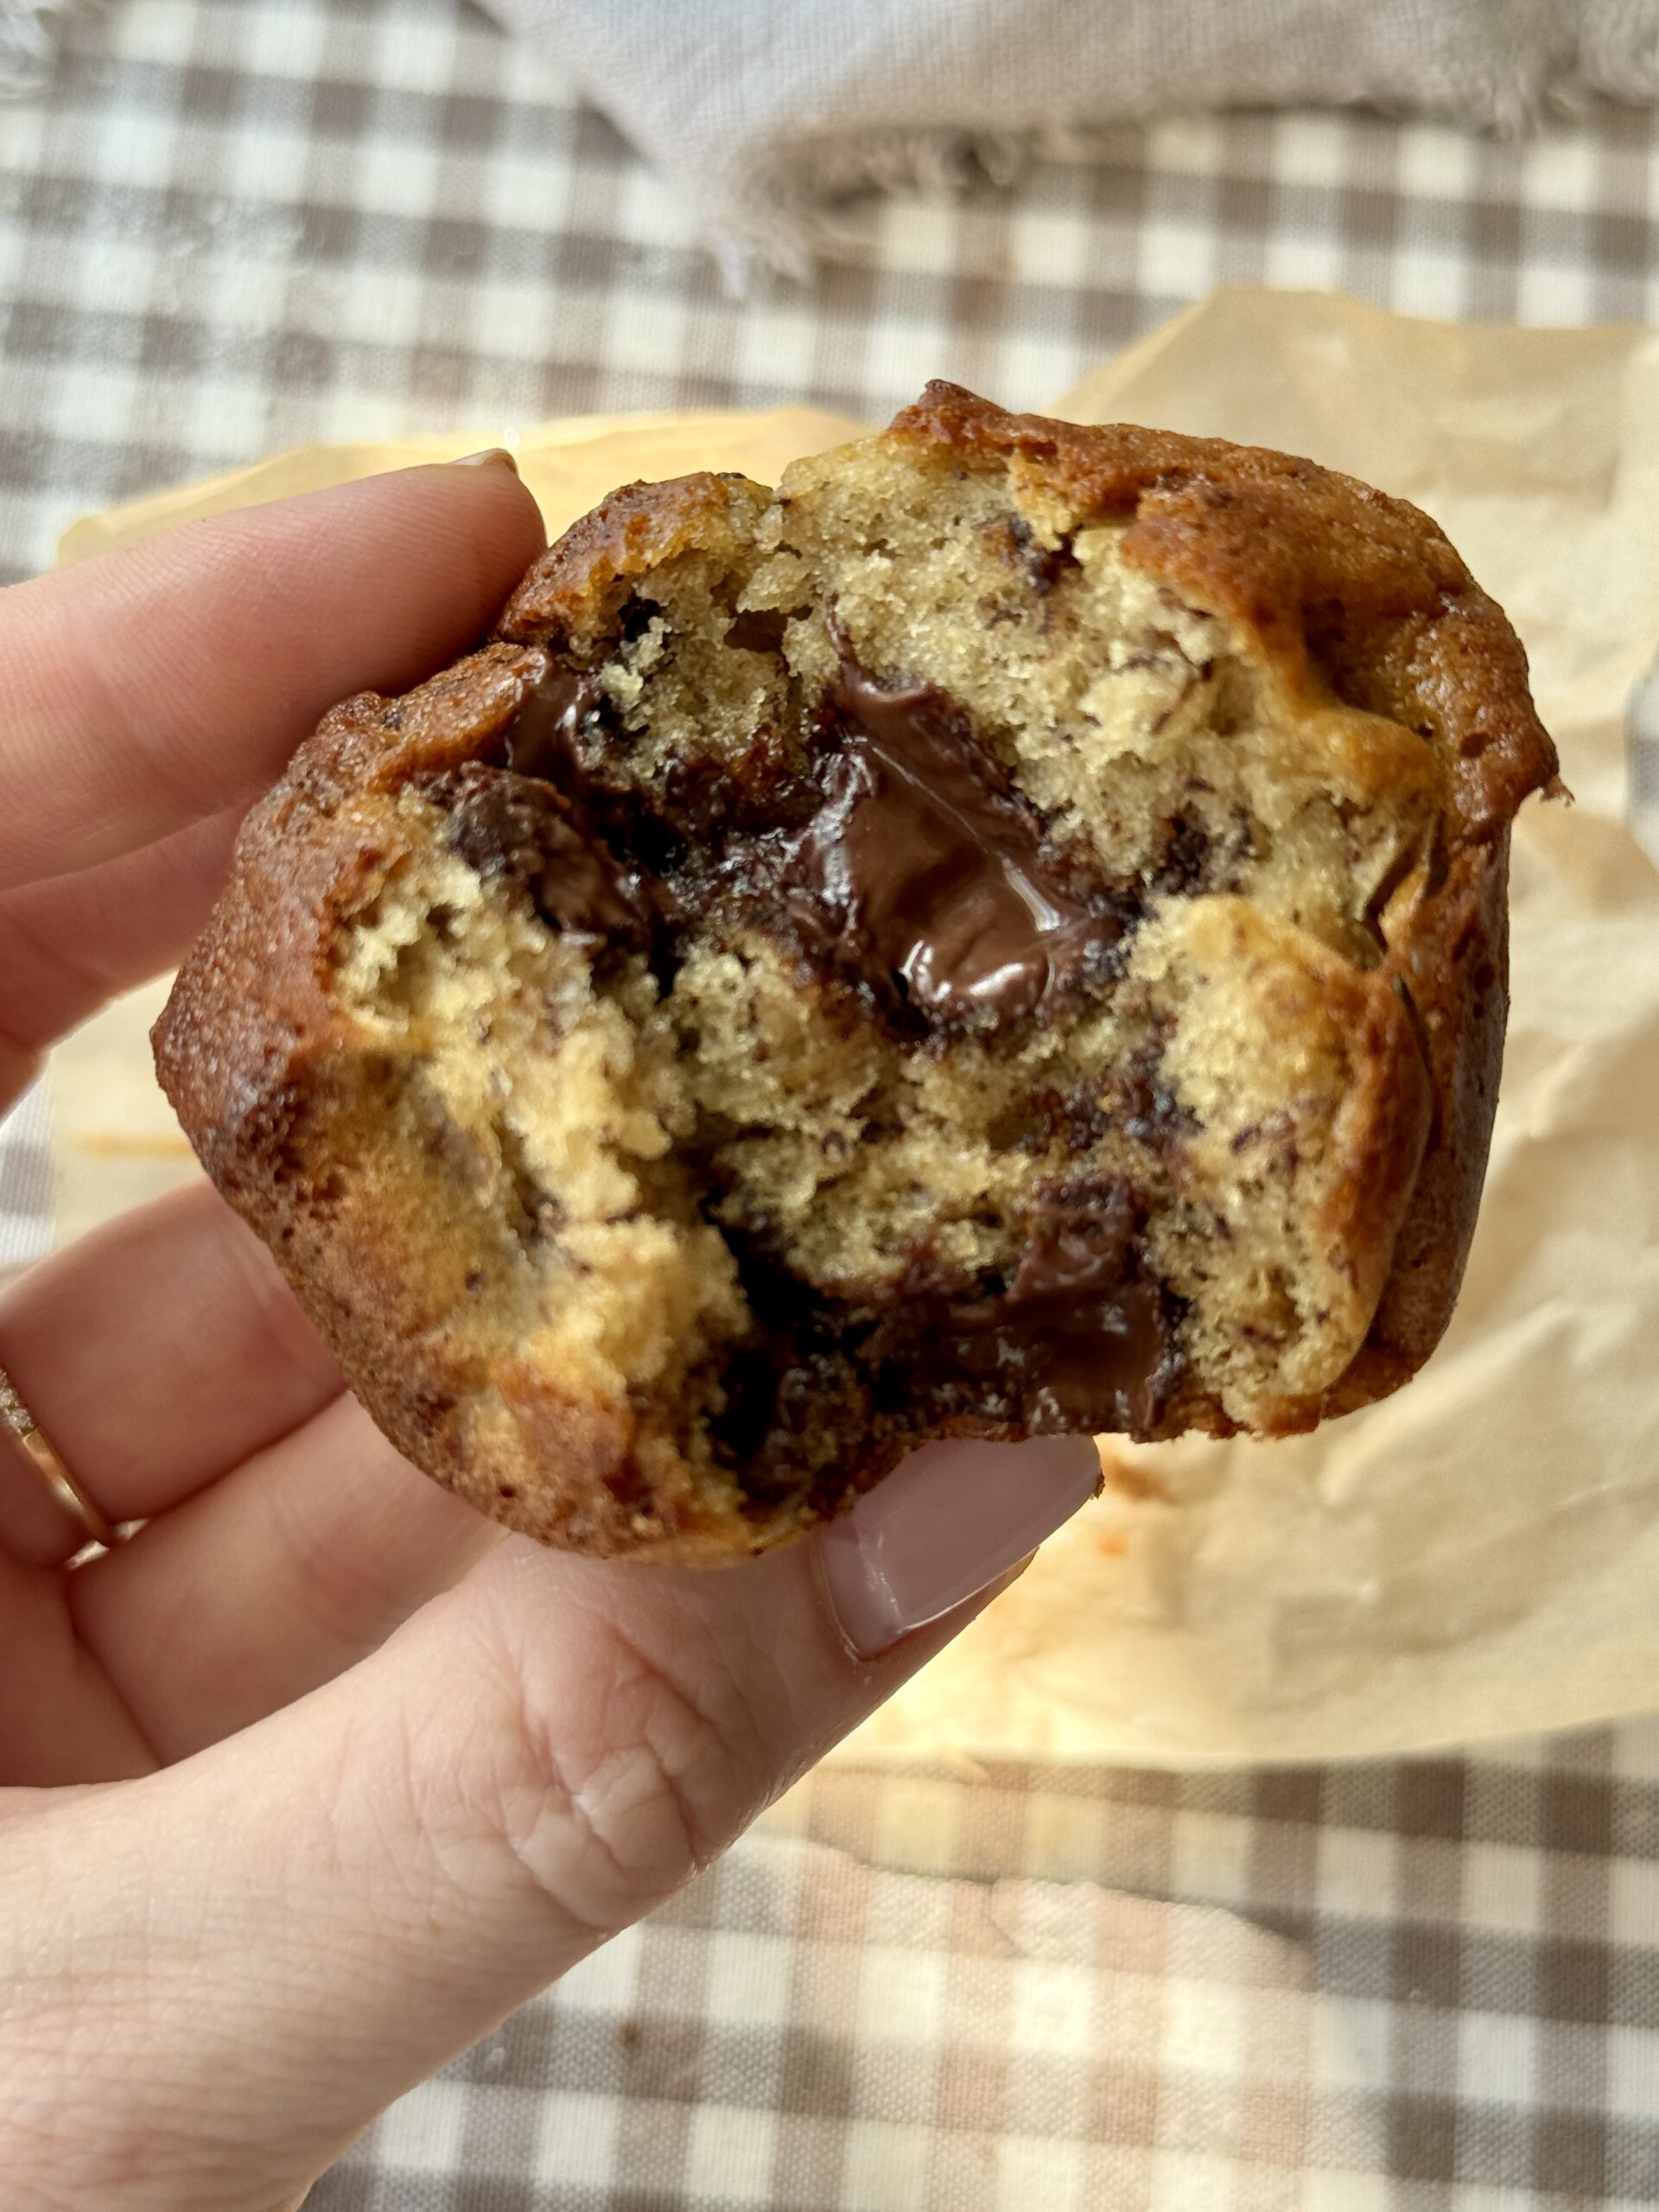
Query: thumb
{"x":227,"y":1968}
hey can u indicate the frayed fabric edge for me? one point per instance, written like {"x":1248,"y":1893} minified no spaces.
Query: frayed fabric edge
{"x":786,"y":214}
{"x":1617,"y":52}
{"x":791,"y":210}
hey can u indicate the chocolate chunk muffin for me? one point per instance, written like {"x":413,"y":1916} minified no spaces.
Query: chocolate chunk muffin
{"x":1003,"y":934}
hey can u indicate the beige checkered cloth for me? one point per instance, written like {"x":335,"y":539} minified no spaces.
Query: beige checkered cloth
{"x":1421,"y":1987}
{"x":1411,"y":1986}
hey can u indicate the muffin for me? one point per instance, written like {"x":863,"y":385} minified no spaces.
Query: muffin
{"x":1004,"y":934}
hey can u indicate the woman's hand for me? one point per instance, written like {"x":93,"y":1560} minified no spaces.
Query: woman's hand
{"x":320,"y":1775}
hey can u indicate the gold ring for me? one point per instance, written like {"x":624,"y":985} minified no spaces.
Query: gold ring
{"x":15,"y":1417}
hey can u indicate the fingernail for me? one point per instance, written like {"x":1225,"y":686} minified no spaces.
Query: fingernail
{"x":492,"y":457}
{"x":947,"y":1523}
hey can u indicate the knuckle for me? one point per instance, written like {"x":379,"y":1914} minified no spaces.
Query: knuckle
{"x":621,"y":1800}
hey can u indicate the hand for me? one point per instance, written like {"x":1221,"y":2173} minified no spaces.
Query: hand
{"x":320,"y":1775}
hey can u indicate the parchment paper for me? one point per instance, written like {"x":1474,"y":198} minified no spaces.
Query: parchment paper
{"x":1480,"y":1555}
{"x":568,"y":465}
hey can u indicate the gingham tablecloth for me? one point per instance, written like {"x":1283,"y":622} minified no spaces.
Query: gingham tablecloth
{"x":1429,"y":1986}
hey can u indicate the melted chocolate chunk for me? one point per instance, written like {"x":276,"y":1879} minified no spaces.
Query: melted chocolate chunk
{"x":520,"y":827}
{"x":925,"y":874}
{"x":701,"y":799}
{"x":560,"y":737}
{"x":543,"y":738}
{"x":1080,"y":1340}
{"x":921,"y":873}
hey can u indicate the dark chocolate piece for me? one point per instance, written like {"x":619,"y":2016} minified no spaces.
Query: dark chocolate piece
{"x":519,"y":826}
{"x":1186,"y":858}
{"x":1081,"y":1342}
{"x":1081,"y":1339}
{"x":1043,"y":565}
{"x":921,"y":873}
{"x":1145,"y":1106}
{"x":542,"y":740}
{"x":929,"y":875}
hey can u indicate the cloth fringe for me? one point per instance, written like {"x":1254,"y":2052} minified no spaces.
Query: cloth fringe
{"x":790,"y":209}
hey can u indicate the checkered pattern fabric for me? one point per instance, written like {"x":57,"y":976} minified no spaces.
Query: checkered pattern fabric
{"x":230,"y":225}
{"x":235,"y":224}
{"x":1413,"y":1987}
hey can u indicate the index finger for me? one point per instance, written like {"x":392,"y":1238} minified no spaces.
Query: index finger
{"x":148,"y":689}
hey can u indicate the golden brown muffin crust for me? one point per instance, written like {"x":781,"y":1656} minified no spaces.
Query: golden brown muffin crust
{"x":1340,"y":584}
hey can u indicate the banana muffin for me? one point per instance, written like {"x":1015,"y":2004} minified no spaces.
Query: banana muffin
{"x":1003,"y":934}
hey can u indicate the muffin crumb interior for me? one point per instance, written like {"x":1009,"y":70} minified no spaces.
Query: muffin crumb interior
{"x":897,"y":974}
